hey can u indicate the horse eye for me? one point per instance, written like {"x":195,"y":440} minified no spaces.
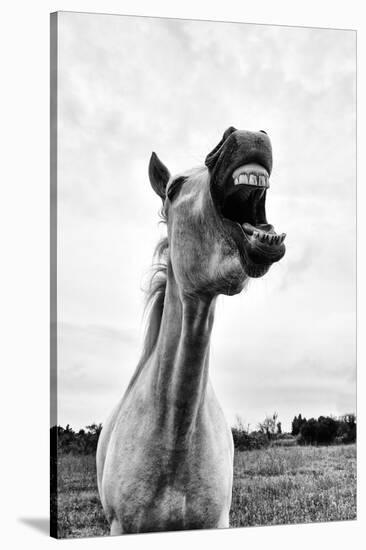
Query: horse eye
{"x":174,"y":187}
{"x":263,"y":132}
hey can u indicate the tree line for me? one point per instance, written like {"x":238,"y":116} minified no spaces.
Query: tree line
{"x":68,"y":441}
{"x":325,"y":430}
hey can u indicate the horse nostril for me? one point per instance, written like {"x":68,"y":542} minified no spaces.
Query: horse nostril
{"x":229,"y":131}
{"x":263,"y":132}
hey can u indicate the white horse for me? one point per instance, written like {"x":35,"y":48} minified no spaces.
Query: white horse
{"x":165,"y":456}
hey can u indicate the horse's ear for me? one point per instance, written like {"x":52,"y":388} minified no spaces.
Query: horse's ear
{"x":159,"y":175}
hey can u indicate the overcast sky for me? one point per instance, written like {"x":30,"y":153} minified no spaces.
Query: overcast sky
{"x":128,"y":86}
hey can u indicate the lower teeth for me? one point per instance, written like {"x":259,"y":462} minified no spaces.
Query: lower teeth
{"x":263,"y":236}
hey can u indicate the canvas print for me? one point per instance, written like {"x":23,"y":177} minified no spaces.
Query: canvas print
{"x":203,"y":290}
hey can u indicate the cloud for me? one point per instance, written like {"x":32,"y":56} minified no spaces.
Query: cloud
{"x":95,"y":364}
{"x":128,"y":86}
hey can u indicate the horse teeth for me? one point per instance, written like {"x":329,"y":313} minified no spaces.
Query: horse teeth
{"x":269,"y":238}
{"x":252,"y":179}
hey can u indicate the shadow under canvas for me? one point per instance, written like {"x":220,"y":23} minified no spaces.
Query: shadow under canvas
{"x":42,"y":525}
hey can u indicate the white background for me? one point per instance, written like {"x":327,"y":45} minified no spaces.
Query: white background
{"x":24,"y":272}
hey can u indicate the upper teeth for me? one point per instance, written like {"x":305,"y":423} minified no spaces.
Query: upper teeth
{"x":252,"y":179}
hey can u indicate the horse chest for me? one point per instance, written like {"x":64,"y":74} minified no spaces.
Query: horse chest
{"x":178,"y":493}
{"x":160,"y":488}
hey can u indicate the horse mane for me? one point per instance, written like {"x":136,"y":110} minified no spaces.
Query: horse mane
{"x":154,"y":304}
{"x":155,"y":293}
{"x":155,"y":297}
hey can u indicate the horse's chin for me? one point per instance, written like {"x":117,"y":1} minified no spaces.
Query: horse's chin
{"x":234,"y":279}
{"x":255,"y":271}
{"x":231,"y":289}
{"x":257,"y":257}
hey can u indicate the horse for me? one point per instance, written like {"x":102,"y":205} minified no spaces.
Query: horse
{"x":165,"y":455}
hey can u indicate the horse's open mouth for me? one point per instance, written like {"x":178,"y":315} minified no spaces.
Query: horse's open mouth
{"x":244,"y":206}
{"x":240,"y":166}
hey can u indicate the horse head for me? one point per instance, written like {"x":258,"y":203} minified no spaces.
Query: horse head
{"x":218,"y":232}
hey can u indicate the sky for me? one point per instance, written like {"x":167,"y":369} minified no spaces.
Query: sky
{"x":128,"y":86}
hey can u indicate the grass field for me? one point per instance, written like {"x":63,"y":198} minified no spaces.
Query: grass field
{"x":272,"y":486}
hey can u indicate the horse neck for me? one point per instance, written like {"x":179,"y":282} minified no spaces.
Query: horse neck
{"x":181,"y":360}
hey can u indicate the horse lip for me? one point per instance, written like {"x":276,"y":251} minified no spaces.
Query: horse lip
{"x":251,"y":146}
{"x":239,"y":148}
{"x":261,"y":253}
{"x":256,"y":259}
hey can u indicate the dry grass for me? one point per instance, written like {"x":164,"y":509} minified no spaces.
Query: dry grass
{"x":294,"y":485}
{"x":271,"y":486}
{"x":80,"y":513}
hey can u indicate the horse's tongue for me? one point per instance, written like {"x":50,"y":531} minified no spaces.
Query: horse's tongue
{"x":261,"y":228}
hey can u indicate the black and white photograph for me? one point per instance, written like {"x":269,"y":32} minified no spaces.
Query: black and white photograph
{"x":203,"y":275}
